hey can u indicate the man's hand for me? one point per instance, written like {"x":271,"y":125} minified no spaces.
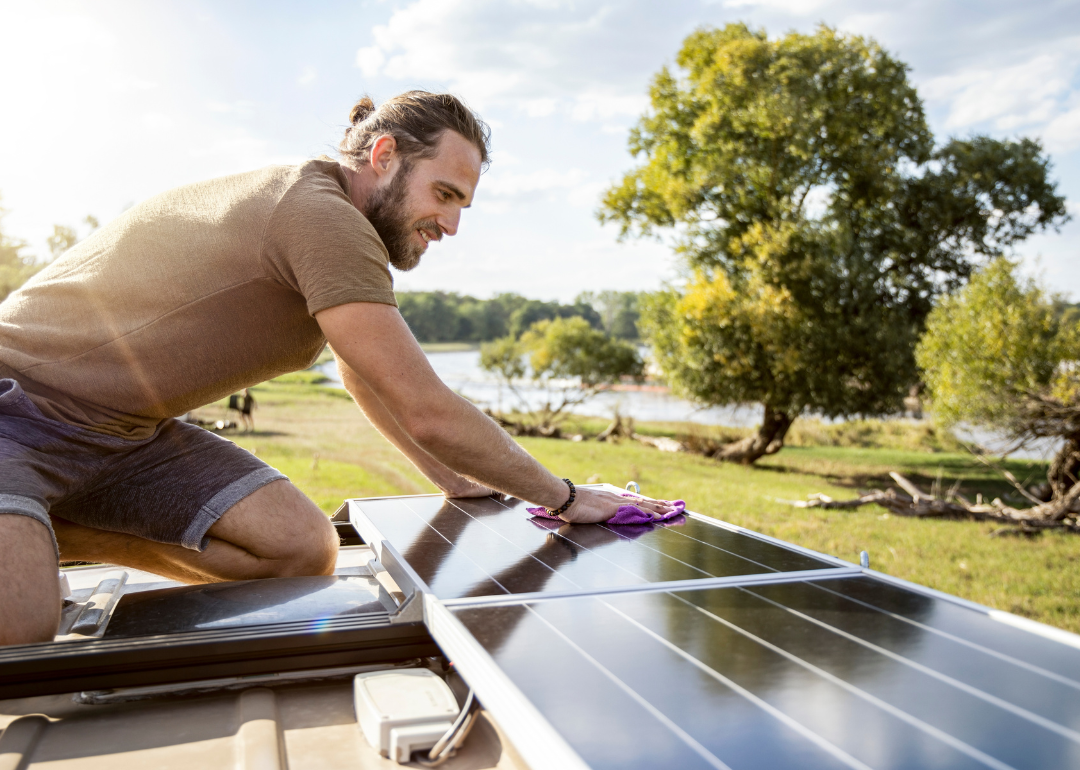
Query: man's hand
{"x":595,"y":505}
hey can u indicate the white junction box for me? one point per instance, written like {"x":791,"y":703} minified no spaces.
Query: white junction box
{"x":403,"y":710}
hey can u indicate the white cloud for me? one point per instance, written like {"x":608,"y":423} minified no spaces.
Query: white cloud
{"x":600,"y":106}
{"x":1009,"y":96}
{"x":308,"y":75}
{"x":539,"y":108}
{"x":1036,"y":95}
{"x":1063,"y":132}
{"x":540,"y":57}
{"x":586,"y":195}
{"x":370,"y":60}
{"x":504,"y":158}
{"x":128,"y":83}
{"x":157,"y":121}
{"x":241,"y":108}
{"x":502,"y":185}
{"x":795,"y":7}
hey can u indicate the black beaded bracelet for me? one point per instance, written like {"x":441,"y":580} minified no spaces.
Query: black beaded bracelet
{"x":568,"y":503}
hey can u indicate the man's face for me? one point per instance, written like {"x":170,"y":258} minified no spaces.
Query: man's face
{"x":421,"y":200}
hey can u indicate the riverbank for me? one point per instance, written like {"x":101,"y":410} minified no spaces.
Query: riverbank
{"x":317,"y":437}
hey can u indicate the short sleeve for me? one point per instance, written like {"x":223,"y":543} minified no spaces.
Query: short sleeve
{"x":317,"y":243}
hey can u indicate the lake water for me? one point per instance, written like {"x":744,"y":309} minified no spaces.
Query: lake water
{"x":461,"y":371}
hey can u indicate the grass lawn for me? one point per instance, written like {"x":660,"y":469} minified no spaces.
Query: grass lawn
{"x":318,"y":438}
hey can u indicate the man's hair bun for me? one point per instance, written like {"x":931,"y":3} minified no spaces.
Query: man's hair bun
{"x":361,"y":110}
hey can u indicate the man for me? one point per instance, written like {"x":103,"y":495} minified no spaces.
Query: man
{"x":247,"y":406}
{"x":208,"y":289}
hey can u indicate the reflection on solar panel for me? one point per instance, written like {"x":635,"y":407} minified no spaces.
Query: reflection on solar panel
{"x":701,"y":645}
{"x":467,"y":548}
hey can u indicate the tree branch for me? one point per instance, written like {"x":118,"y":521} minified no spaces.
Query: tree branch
{"x":1057,"y":514}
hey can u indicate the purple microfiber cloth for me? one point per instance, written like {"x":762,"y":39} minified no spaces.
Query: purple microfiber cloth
{"x":627,"y":514}
{"x":632,"y":532}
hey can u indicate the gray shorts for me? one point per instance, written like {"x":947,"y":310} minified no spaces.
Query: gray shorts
{"x":169,"y":488}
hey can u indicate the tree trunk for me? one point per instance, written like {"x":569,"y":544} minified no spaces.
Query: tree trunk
{"x":1065,"y":469}
{"x":768,"y":440}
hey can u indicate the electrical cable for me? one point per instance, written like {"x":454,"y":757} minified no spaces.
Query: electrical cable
{"x":452,"y":739}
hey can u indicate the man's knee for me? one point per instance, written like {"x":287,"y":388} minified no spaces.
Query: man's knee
{"x":284,"y":529}
{"x":311,"y":551}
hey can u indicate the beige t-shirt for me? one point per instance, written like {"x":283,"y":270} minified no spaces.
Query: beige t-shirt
{"x":190,"y":296}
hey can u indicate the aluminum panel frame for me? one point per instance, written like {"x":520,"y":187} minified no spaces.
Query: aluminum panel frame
{"x":533,"y":737}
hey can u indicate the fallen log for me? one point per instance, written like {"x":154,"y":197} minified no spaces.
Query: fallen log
{"x":1061,"y":514}
{"x":663,"y":443}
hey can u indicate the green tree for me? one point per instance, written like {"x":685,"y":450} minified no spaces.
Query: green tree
{"x":618,"y":311}
{"x":566,"y":360}
{"x":529,"y":311}
{"x":816,"y":218}
{"x":998,"y":354}
{"x":431,"y":315}
{"x":437,"y":316}
{"x":16,"y":267}
{"x":64,"y":237}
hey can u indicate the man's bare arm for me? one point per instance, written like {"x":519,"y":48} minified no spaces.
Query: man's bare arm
{"x":449,"y":482}
{"x":377,"y":346}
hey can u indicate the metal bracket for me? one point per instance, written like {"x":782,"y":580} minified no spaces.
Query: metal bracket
{"x":412,"y":611}
{"x":410,"y":586}
{"x":98,"y":608}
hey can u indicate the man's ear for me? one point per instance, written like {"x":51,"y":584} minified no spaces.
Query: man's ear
{"x":382,"y":153}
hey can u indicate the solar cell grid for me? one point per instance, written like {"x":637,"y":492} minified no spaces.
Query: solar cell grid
{"x":484,"y":547}
{"x":1033,"y":693}
{"x":745,"y":678}
{"x":977,"y":631}
{"x":781,"y":658}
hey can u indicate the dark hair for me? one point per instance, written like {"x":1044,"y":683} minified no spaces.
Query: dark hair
{"x":416,"y":120}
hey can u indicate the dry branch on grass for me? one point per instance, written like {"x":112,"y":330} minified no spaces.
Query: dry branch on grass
{"x":912,"y":501}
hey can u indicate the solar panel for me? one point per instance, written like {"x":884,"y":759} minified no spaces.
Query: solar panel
{"x":486,"y":547}
{"x":789,"y":675}
{"x":243,"y":603}
{"x":703,"y":645}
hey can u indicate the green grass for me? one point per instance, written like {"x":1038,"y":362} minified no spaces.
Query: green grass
{"x":318,"y":437}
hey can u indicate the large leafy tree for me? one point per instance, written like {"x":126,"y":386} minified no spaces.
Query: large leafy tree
{"x":816,"y":218}
{"x":565,"y":362}
{"x":1000,"y":354}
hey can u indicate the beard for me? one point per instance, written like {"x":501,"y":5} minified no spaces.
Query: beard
{"x":387,"y":213}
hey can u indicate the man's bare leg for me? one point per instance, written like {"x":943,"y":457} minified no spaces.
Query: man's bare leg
{"x":29,"y":587}
{"x":276,"y":531}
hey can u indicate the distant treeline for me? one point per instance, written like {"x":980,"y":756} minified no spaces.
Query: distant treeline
{"x":437,"y":316}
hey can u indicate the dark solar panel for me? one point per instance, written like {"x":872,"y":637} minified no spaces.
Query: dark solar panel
{"x":484,"y":547}
{"x":791,"y":675}
{"x":243,"y":603}
{"x":978,"y":631}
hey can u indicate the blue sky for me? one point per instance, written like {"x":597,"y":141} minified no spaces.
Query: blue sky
{"x":107,"y":103}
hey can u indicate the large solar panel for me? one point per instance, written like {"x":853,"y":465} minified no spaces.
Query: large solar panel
{"x":790,"y":675}
{"x":486,"y":547}
{"x":702,"y":645}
